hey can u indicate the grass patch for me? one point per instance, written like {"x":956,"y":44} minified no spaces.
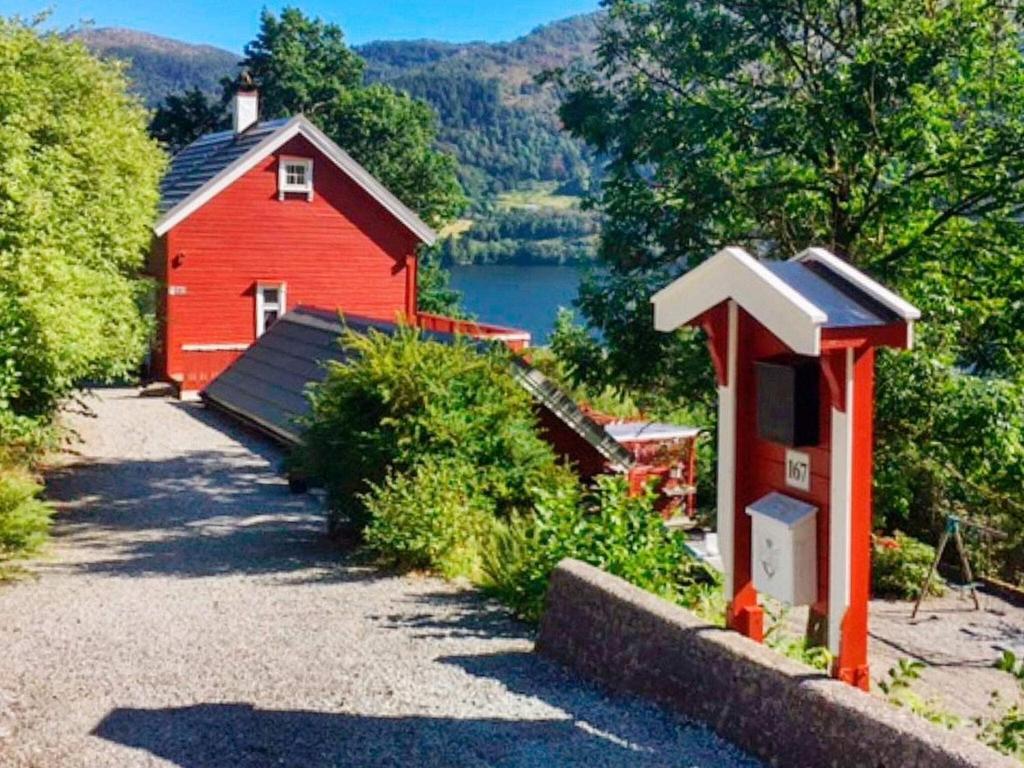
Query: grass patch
{"x":456,"y":228}
{"x":537,"y":196}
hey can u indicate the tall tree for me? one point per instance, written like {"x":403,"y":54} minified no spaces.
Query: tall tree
{"x":184,"y":117}
{"x":78,"y":195}
{"x":303,"y":65}
{"x":890,"y":131}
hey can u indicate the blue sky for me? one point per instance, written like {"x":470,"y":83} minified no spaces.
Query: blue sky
{"x":231,"y":23}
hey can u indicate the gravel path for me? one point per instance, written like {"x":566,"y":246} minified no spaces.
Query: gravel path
{"x":190,"y":613}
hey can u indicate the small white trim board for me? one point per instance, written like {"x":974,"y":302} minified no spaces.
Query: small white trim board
{"x":227,"y":346}
{"x":841,"y":512}
{"x":726,"y":501}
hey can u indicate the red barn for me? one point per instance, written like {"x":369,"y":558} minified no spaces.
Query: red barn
{"x":265,"y":217}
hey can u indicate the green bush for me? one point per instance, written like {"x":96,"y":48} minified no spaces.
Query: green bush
{"x":431,"y":516}
{"x":24,"y":518}
{"x":948,"y":441}
{"x":899,"y":566}
{"x":433,"y":451}
{"x":604,"y":527}
{"x":80,"y":193}
{"x":400,"y":399}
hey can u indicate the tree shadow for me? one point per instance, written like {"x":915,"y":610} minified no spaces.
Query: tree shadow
{"x":463,"y":614}
{"x":198,"y":512}
{"x":243,"y":736}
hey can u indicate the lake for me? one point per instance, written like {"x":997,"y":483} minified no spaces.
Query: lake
{"x":526,"y":297}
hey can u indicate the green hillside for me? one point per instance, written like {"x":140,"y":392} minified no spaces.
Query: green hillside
{"x":499,"y":122}
{"x":160,"y":66}
{"x":522,"y":173}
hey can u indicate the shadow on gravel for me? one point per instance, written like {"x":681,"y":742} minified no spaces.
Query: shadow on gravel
{"x":202,"y":514}
{"x":251,"y":439}
{"x":242,"y":736}
{"x":456,"y":615}
{"x":528,"y":674}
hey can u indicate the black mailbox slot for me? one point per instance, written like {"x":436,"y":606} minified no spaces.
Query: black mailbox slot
{"x":787,"y":400}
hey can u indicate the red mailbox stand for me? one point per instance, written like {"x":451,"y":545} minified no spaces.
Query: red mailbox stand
{"x":793,"y":345}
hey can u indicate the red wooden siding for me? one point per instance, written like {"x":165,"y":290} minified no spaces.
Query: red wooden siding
{"x":341,"y":250}
{"x":570,"y":446}
{"x":765,"y":464}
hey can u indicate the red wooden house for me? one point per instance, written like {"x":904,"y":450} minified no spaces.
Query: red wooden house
{"x":273,"y":218}
{"x":265,"y":217}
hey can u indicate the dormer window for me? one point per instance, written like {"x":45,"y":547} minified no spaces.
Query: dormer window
{"x":295,"y":175}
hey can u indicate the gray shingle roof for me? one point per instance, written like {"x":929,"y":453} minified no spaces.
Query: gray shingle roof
{"x":207,"y":156}
{"x":266,"y":385}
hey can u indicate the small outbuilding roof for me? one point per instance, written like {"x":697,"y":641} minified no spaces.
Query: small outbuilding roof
{"x":649,"y":431}
{"x":266,"y":386}
{"x":794,"y":299}
{"x":213,"y":162}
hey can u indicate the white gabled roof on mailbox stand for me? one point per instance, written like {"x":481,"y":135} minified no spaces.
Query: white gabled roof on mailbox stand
{"x":771,"y":293}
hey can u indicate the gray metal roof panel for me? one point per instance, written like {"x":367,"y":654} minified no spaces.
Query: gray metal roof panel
{"x":846,"y":305}
{"x":565,"y":408}
{"x":267,"y":384}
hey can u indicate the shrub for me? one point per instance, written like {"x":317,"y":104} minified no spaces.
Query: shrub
{"x":604,"y":527}
{"x":899,"y":566}
{"x":949,"y":441}
{"x":433,"y":515}
{"x":24,"y":518}
{"x":402,"y":398}
{"x":80,"y":192}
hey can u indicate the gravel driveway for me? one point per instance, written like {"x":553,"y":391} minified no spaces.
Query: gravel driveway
{"x":190,"y":613}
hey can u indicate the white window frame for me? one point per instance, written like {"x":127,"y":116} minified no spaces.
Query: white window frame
{"x":262,"y":306}
{"x":284,"y":187}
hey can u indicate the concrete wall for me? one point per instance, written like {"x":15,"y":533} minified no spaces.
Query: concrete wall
{"x":634,"y":642}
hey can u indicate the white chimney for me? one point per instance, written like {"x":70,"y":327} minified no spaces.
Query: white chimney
{"x":245,"y":108}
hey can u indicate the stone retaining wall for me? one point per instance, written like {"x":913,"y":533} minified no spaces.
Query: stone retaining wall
{"x":634,"y":642}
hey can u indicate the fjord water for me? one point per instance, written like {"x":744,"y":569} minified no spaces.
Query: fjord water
{"x":526,"y":297}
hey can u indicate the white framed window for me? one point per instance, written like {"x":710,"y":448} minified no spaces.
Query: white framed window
{"x":271,"y":303}
{"x":294,"y":174}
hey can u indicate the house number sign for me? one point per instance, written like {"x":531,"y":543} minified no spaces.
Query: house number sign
{"x":176,"y":290}
{"x":798,"y":470}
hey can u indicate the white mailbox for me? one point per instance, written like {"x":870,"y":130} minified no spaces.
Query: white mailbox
{"x":784,"y":548}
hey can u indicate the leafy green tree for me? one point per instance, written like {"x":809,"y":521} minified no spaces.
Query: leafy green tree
{"x":78,"y":195}
{"x":435,"y":293}
{"x":183,"y":118}
{"x":891,"y":132}
{"x":303,"y":65}
{"x":400,"y":398}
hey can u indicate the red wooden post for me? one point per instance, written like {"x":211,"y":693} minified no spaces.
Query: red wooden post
{"x":851,"y":664}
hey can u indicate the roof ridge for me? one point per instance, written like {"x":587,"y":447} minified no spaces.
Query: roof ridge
{"x":213,"y":162}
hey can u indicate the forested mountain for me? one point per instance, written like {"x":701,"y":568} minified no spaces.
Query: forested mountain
{"x":159,"y":65}
{"x":498,"y":120}
{"x":501,"y":125}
